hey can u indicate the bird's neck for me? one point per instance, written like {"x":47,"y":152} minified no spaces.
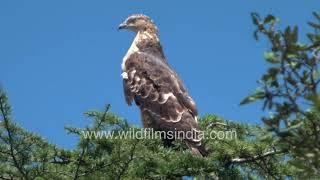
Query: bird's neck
{"x":148,"y":42}
{"x":143,"y":36}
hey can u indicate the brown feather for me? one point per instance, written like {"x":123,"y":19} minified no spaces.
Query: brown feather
{"x":158,"y":91}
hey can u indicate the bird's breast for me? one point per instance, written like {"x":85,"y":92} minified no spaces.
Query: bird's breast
{"x":133,"y":49}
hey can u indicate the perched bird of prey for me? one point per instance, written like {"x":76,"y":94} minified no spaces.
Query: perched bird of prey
{"x":155,"y":87}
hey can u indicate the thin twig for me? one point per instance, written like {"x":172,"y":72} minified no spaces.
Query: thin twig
{"x":257,"y":157}
{"x":76,"y":174}
{"x":212,"y":124}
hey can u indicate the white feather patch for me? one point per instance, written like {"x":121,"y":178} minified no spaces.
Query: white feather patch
{"x":137,"y":79}
{"x":147,"y":93}
{"x":156,"y":96}
{"x":133,"y":48}
{"x":166,"y":97}
{"x":167,"y":120}
{"x":143,"y":81}
{"x":132,"y":73}
{"x":124,"y":75}
{"x":177,"y":120}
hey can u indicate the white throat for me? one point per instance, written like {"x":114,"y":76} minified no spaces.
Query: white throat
{"x":133,"y":48}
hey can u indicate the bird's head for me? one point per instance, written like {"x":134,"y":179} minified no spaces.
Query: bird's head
{"x":138,"y":23}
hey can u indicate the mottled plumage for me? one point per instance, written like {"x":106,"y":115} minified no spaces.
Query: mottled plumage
{"x":154,"y":86}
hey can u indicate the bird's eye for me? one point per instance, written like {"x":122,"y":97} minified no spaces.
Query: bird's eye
{"x":131,"y":21}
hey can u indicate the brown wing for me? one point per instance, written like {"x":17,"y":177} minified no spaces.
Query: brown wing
{"x":161,"y":76}
{"x":156,"y":88}
{"x":184,"y":97}
{"x":161,"y":96}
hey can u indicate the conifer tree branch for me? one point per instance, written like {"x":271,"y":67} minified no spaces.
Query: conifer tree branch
{"x":79,"y":161}
{"x":5,"y":178}
{"x":126,"y":165}
{"x":256,"y":157}
{"x":4,"y":113}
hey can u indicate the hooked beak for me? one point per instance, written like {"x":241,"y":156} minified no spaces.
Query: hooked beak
{"x":122,"y":26}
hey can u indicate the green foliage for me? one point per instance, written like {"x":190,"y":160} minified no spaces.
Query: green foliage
{"x":27,"y":156}
{"x":288,"y":146}
{"x":290,"y":90}
{"x":252,"y":153}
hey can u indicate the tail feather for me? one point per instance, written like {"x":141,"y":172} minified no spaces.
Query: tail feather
{"x":199,"y":150}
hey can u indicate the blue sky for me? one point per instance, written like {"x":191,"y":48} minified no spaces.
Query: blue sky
{"x":61,"y":58}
